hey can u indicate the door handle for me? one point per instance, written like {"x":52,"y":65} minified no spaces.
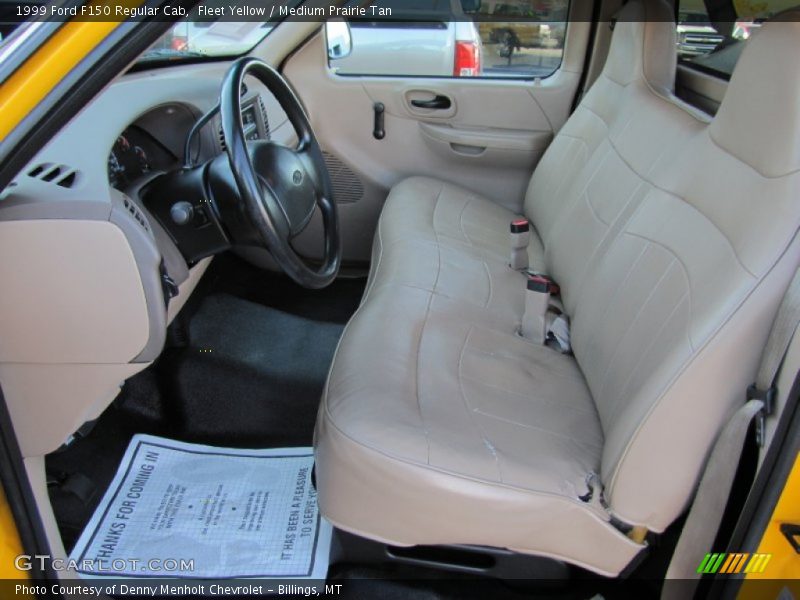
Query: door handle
{"x":437,"y":103}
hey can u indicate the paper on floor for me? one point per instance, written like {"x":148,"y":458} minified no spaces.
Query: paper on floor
{"x":232,"y":513}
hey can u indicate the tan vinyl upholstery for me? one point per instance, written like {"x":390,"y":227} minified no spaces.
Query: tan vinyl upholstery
{"x":672,"y":238}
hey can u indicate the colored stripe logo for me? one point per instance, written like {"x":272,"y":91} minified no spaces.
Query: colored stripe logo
{"x":731,"y":563}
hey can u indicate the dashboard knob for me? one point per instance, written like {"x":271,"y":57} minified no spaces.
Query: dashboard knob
{"x":182,"y":213}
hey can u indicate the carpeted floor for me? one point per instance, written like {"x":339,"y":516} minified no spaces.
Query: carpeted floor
{"x":250,"y":376}
{"x":244,"y":366}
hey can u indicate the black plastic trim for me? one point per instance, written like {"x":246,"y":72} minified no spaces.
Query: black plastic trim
{"x":791,"y":531}
{"x":587,"y":60}
{"x":705,"y":70}
{"x":160,"y":63}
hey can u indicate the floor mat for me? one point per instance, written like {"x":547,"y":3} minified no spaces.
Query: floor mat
{"x":335,"y":303}
{"x":214,"y":512}
{"x":251,"y":374}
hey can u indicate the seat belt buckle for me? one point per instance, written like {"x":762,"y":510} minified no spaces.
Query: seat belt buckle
{"x":537,"y":300}
{"x":768,"y":397}
{"x":542,"y":284}
{"x":520,"y":236}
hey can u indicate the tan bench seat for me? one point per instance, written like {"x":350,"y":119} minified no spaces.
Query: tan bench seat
{"x":673,"y":237}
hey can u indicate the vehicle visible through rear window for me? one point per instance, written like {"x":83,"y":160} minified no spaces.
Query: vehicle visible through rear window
{"x":454,"y":38}
{"x":715,"y":46}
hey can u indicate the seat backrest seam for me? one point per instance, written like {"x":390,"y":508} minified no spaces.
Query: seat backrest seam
{"x":711,"y":338}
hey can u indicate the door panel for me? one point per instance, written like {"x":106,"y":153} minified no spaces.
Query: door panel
{"x":429,"y":104}
{"x":488,"y":140}
{"x":503,"y":147}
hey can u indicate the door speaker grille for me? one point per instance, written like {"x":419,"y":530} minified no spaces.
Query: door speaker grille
{"x":347,"y":188}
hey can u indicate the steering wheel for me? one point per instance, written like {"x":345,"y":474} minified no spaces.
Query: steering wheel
{"x":280,"y":187}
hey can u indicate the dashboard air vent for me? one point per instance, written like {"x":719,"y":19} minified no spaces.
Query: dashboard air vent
{"x":221,"y":138}
{"x":61,"y":175}
{"x":347,"y":187}
{"x":266,"y":118}
{"x":135,"y":212}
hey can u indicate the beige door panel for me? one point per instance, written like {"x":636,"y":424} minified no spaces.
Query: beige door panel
{"x":501,"y":146}
{"x":488,"y":140}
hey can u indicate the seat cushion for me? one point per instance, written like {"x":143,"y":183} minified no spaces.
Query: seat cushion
{"x":440,"y":237}
{"x":428,"y":209}
{"x":449,"y":394}
{"x":463,"y":394}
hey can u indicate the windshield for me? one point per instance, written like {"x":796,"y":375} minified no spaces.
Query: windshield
{"x":200,"y":34}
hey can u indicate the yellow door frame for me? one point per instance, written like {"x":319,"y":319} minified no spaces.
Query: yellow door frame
{"x":50,"y":63}
{"x":785,"y":562}
{"x":781,"y":567}
{"x":10,"y":544}
{"x":19,"y":95}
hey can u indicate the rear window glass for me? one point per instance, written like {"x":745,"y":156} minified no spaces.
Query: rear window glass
{"x":715,"y":46}
{"x":522,"y":39}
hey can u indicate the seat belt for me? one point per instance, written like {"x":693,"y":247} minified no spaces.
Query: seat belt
{"x":537,"y":301}
{"x":780,"y":336}
{"x":705,"y":516}
{"x":713,"y":492}
{"x":544,"y":321}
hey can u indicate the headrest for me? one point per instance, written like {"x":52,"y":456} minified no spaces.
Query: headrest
{"x":759,"y":119}
{"x":644,"y":45}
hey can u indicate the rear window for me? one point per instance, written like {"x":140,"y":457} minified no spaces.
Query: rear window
{"x":522,"y":39}
{"x":715,"y":46}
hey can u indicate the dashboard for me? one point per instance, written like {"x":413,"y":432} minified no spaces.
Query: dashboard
{"x":154,"y":142}
{"x":120,"y":143}
{"x":135,"y":154}
{"x":117,"y":270}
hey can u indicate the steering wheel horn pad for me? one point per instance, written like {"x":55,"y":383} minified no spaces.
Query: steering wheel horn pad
{"x":283,"y":174}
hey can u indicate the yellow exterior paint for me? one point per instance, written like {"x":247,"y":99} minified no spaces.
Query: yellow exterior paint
{"x":29,"y":85}
{"x":785,"y":564}
{"x":50,"y":64}
{"x":19,"y":94}
{"x":10,"y":546}
{"x":783,"y":570}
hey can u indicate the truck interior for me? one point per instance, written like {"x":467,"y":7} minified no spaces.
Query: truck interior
{"x":275,"y":249}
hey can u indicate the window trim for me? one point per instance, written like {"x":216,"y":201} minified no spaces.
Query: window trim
{"x":722,"y":75}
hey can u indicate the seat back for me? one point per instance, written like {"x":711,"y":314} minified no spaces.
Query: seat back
{"x":641,"y":56}
{"x":669,"y":322}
